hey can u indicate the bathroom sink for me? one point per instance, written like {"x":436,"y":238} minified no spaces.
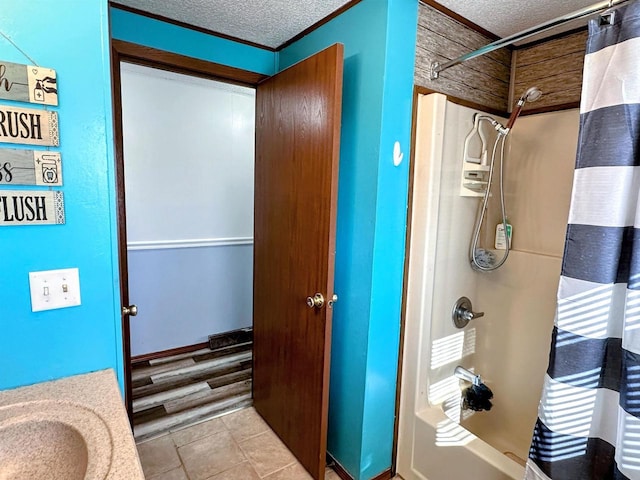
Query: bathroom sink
{"x":60,"y":448}
{"x":53,"y":440}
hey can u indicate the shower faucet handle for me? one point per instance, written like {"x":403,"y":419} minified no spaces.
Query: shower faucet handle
{"x":469,"y":315}
{"x":463,"y":312}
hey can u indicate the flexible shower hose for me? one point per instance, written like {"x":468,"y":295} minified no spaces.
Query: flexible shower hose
{"x":481,"y":214}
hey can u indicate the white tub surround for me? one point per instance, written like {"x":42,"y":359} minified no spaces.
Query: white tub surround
{"x":509,"y":345}
{"x":431,"y":445}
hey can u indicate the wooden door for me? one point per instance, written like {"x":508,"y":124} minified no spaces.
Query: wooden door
{"x":296,"y":179}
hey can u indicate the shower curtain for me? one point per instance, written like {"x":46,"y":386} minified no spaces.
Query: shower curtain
{"x":588,"y":425}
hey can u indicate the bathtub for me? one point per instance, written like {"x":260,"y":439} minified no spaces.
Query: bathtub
{"x":508,"y":347}
{"x":458,"y":454}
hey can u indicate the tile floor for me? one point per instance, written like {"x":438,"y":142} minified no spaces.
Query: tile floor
{"x":237,"y":446}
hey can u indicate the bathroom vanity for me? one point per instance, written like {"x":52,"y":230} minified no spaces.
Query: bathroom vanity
{"x":75,"y":428}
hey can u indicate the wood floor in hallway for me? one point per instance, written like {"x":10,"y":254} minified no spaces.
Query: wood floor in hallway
{"x":173,"y":392}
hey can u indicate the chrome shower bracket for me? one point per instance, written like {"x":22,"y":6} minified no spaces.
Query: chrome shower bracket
{"x":463,"y":313}
{"x":434,"y":70}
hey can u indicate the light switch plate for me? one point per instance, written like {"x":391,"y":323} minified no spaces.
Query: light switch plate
{"x":53,"y":289}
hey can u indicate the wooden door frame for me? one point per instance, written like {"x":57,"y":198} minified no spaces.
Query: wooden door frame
{"x":150,"y":57}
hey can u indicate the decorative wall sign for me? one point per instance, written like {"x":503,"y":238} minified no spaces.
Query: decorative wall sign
{"x":28,"y":83}
{"x":30,"y":167}
{"x":29,"y":126}
{"x":31,"y":207}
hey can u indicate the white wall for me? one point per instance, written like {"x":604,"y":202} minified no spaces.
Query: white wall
{"x":189,"y":159}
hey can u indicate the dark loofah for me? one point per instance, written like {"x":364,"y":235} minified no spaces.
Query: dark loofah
{"x":478,"y":398}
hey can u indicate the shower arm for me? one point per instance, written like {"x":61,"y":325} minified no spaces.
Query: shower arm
{"x":599,"y":7}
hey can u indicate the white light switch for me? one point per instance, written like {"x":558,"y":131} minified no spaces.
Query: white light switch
{"x":54,"y":289}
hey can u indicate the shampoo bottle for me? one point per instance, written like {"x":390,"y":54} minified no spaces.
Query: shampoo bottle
{"x":501,"y":243}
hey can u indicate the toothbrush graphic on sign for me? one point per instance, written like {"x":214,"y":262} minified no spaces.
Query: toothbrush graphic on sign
{"x":49,"y":168}
{"x":30,"y":167}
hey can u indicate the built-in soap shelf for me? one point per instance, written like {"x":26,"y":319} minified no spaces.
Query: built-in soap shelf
{"x":475,"y":179}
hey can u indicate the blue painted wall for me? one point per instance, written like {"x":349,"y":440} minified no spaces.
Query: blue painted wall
{"x":389,"y":243}
{"x":379,"y":38}
{"x":73,"y":38}
{"x":172,"y":38}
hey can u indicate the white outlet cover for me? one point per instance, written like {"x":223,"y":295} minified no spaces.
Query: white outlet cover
{"x":48,"y":289}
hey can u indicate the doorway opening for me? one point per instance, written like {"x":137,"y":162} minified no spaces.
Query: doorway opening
{"x":188,"y":172}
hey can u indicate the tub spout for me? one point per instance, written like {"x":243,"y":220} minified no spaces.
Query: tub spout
{"x":478,"y":396}
{"x":467,"y":375}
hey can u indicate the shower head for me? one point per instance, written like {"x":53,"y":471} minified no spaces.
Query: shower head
{"x":530,"y":95}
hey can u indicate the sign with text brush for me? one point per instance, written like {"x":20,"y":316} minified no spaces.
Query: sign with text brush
{"x":31,"y":207}
{"x":28,"y":126}
{"x":28,"y":83}
{"x":30,"y":167}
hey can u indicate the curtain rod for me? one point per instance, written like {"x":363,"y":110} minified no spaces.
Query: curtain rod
{"x":599,"y":7}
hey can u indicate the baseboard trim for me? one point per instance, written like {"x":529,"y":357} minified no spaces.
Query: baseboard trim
{"x":168,"y":353}
{"x":386,"y":475}
{"x":218,"y":340}
{"x":339,"y":469}
{"x":344,"y":475}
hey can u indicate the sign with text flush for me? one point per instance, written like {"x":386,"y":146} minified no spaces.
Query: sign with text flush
{"x":31,"y":207}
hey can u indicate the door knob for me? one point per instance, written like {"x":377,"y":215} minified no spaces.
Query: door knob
{"x":131,"y":310}
{"x":317,"y":301}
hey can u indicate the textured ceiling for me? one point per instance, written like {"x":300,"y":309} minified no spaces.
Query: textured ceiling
{"x":272,"y":22}
{"x":265,"y":22}
{"x":506,"y":17}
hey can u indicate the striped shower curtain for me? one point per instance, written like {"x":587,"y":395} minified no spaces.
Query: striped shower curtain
{"x":588,"y":425}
